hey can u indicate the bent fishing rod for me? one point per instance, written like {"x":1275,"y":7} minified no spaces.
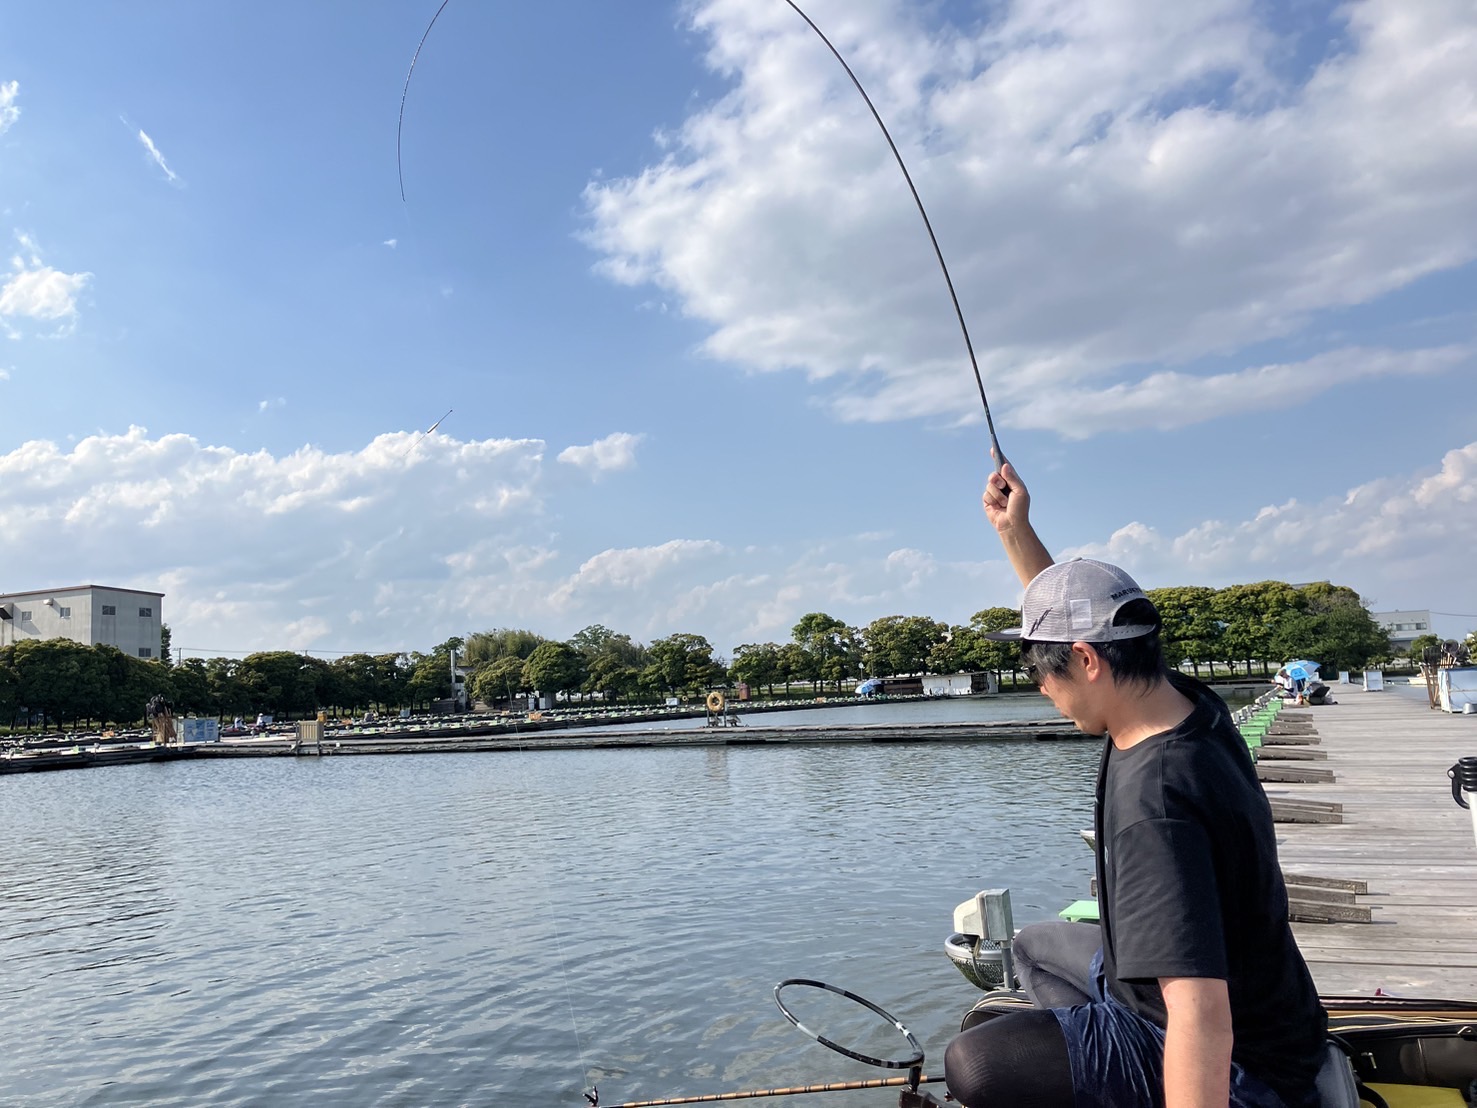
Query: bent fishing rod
{"x":938,"y":252}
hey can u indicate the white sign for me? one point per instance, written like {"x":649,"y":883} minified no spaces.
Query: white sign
{"x":1374,"y":680}
{"x":198,"y":730}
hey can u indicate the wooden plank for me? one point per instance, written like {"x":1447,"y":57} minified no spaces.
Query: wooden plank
{"x":1314,"y":911}
{"x":1282,"y":772}
{"x":1304,"y":815}
{"x":1344,"y":883}
{"x":1292,"y":753}
{"x":1319,"y":894}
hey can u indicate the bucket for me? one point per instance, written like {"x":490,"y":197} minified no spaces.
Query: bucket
{"x":1464,"y":787}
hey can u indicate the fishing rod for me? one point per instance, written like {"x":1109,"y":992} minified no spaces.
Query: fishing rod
{"x":791,"y":1090}
{"x":928,"y":225}
{"x":938,"y":252}
{"x":909,"y":1097}
{"x":429,"y":430}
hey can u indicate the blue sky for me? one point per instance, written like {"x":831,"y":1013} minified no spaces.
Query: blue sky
{"x":1218,"y":265}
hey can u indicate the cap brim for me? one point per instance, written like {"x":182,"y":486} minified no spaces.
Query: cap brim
{"x":1013,"y":634}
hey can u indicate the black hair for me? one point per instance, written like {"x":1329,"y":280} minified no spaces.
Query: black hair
{"x":1137,"y":661}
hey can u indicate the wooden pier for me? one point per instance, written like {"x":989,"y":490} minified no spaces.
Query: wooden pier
{"x":1399,"y":835}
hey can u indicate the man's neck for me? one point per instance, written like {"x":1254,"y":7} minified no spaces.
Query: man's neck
{"x":1139,"y":716}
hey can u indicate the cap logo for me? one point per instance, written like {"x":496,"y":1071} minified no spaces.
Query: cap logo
{"x":1081,"y":614}
{"x":1038,"y":621}
{"x":1121,"y":593}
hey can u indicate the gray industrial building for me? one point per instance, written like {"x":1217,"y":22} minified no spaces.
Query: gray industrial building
{"x":1403,"y":627}
{"x":129,"y":619}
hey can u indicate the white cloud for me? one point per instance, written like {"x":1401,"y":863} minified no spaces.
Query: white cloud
{"x":35,"y":291}
{"x":1399,"y":539}
{"x":9,"y":113}
{"x":264,"y":405}
{"x":383,"y":547}
{"x":613,"y":452}
{"x":1122,"y":189}
{"x":1167,"y":400}
{"x":4,"y":375}
{"x":157,"y":157}
{"x":391,"y":243}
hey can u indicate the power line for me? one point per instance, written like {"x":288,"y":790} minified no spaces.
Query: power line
{"x":218,"y":651}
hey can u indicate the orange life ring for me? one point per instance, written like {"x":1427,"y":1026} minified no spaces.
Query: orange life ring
{"x":715,"y":701}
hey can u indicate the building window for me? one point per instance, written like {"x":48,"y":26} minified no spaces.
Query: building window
{"x":146,"y":652}
{"x":110,"y":609}
{"x":1420,"y":627}
{"x":145,"y":613}
{"x":65,"y":613}
{"x":25,"y":617}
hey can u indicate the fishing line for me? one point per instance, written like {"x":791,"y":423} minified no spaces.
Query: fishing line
{"x":897,"y":154}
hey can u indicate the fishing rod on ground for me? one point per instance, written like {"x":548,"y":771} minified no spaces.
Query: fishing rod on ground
{"x":909,"y":1096}
{"x":938,"y":252}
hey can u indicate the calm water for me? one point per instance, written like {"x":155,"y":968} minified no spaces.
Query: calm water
{"x":504,"y":929}
{"x":853,"y":713}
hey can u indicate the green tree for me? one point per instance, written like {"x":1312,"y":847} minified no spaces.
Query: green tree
{"x":613,"y":662}
{"x":354,"y":680}
{"x":901,"y":644}
{"x":1251,"y":615}
{"x":499,"y":680}
{"x":1421,"y":644}
{"x":1332,"y":626}
{"x":831,"y":647}
{"x":947,"y":655}
{"x":987,"y":654}
{"x":679,"y":663}
{"x":281,"y":681}
{"x":8,"y":685}
{"x":792,"y":664}
{"x":59,"y":678}
{"x":757,"y":664}
{"x":128,"y":685}
{"x":392,"y":680}
{"x":1192,"y":630}
{"x":165,"y":638}
{"x":554,"y":668}
{"x":230,"y":693}
{"x":192,"y":689}
{"x":429,"y":678}
{"x":488,"y":646}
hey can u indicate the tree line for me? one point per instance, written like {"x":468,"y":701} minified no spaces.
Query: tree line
{"x":1248,"y":627}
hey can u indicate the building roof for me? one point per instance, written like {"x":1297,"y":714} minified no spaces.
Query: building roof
{"x":77,"y":588}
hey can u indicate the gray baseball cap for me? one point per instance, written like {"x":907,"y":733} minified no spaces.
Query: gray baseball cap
{"x":1076,"y":601}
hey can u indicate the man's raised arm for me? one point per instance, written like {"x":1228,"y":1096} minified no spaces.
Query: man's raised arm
{"x":1008,"y":508}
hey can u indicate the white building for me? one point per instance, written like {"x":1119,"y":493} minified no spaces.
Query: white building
{"x":1403,"y":627}
{"x":90,"y":614}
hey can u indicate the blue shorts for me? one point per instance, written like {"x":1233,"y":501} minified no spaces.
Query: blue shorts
{"x":1117,"y":1056}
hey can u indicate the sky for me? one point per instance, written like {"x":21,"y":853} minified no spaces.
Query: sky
{"x":702,"y":369}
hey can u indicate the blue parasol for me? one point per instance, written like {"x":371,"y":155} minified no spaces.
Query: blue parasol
{"x":1302,"y":670}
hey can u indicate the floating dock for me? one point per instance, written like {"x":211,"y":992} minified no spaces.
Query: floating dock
{"x":436,"y":741}
{"x":1400,"y":841}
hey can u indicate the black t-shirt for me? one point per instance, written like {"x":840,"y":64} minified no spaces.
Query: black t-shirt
{"x":1189,"y":886}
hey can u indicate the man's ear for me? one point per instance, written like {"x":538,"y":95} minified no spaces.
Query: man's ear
{"x":1087,"y":661}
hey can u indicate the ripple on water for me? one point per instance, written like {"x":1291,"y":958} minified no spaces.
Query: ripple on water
{"x":502,"y":929}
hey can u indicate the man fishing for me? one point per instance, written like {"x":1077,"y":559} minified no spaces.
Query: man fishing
{"x":1192,"y":993}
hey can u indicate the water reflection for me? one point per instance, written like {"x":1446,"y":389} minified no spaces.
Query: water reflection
{"x":502,"y":928}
